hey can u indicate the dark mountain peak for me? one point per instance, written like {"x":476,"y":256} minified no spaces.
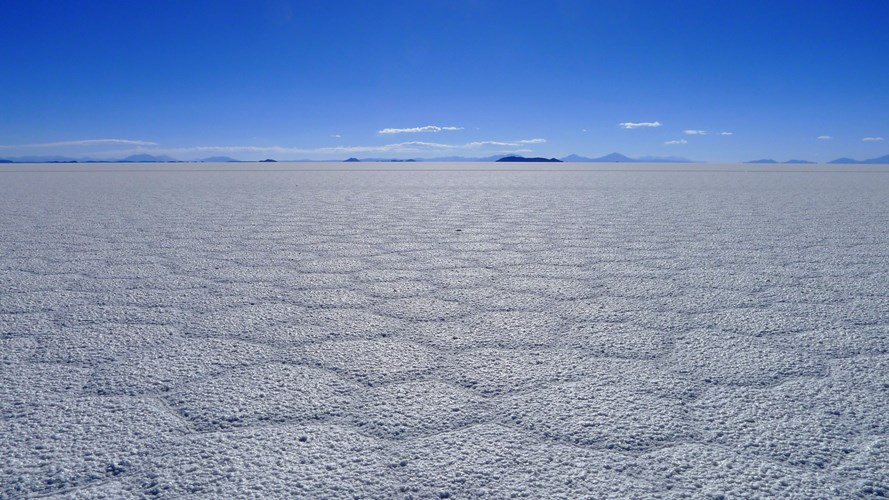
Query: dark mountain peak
{"x":352,"y":159}
{"x":764,"y":160}
{"x":614,"y":158}
{"x":848,"y":161}
{"x":523,"y":159}
{"x":881,"y":160}
{"x":576,"y":158}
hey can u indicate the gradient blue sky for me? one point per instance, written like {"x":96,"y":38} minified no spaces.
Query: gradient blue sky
{"x":322,"y":79}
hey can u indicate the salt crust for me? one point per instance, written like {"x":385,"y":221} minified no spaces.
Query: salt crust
{"x":444,"y":335}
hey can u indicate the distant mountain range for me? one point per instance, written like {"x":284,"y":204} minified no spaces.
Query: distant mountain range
{"x":872,"y":161}
{"x":619,"y":158}
{"x":141,"y":158}
{"x":838,"y":161}
{"x":609,"y":158}
{"x":771,"y":161}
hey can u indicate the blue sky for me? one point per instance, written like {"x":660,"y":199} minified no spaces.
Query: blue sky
{"x":713,"y":80}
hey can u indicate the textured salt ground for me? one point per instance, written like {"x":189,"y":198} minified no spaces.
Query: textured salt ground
{"x":444,"y":334}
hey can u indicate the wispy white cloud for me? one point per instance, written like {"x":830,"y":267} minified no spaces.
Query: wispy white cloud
{"x":677,"y":141}
{"x":291,"y":152}
{"x":873,"y":139}
{"x":631,"y":125}
{"x":411,"y":147}
{"x":335,"y":136}
{"x":87,"y":142}
{"x":824,"y":137}
{"x":414,"y":130}
{"x":704,"y":132}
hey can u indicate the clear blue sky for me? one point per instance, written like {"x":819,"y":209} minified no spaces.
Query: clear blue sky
{"x":321,"y":79}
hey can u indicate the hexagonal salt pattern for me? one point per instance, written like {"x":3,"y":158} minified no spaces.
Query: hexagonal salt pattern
{"x":494,"y":461}
{"x":590,"y":413}
{"x":416,"y":408}
{"x":326,"y":461}
{"x":61,"y":443}
{"x":401,"y":333}
{"x":257,"y":394}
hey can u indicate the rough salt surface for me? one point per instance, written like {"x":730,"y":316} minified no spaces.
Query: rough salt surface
{"x":524,"y":331}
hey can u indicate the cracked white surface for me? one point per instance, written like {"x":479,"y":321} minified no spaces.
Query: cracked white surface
{"x":400,"y":333}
